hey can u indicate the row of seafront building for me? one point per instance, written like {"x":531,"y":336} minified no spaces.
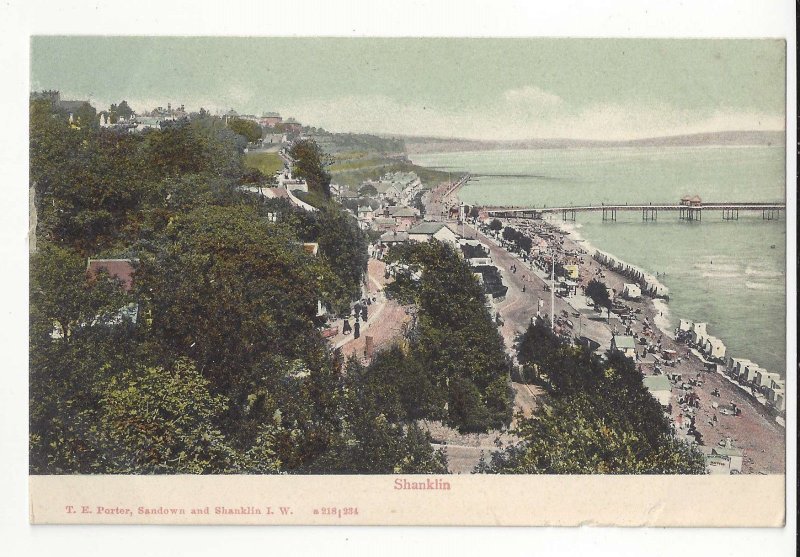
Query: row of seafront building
{"x":390,"y":206}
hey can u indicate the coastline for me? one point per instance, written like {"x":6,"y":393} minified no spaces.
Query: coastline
{"x":754,"y":431}
{"x":661,"y":318}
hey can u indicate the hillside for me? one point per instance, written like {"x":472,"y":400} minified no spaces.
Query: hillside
{"x":727,"y":138}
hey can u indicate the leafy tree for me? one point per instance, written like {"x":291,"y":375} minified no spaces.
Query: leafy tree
{"x":367,"y":190}
{"x":63,"y":297}
{"x":599,"y":418}
{"x":598,"y":292}
{"x":310,"y":164}
{"x":454,"y":340}
{"x":372,"y":442}
{"x":249,"y":130}
{"x":124,"y":111}
{"x":229,"y":288}
{"x":495,"y":225}
{"x":156,"y":420}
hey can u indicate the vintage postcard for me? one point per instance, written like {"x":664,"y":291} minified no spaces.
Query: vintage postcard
{"x":408,"y":281}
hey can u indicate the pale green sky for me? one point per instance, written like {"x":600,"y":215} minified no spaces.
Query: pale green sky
{"x":515,"y":88}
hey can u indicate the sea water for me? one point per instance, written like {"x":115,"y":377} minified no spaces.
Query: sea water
{"x":730,"y":274}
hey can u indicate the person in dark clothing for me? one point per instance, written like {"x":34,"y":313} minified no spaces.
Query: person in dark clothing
{"x":364,"y":314}
{"x":356,"y":330}
{"x":346,"y":327}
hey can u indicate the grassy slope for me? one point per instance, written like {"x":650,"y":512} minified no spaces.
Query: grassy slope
{"x":267,"y":163}
{"x":353,"y":168}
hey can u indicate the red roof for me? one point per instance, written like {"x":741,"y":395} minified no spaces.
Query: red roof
{"x":118,"y":268}
{"x":277,"y":192}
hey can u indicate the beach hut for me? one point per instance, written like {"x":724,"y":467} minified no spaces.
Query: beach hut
{"x":777,"y":399}
{"x":699,"y":333}
{"x":764,"y":379}
{"x":750,"y":372}
{"x":740,"y":367}
{"x":631,"y":291}
{"x":660,"y":388}
{"x":714,"y":348}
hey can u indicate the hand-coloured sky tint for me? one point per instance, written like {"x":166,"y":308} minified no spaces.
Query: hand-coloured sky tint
{"x":477,"y":88}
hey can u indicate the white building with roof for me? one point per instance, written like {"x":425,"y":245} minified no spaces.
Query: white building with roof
{"x":625,"y":344}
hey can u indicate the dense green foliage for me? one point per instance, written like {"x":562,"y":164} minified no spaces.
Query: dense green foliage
{"x":310,"y":164}
{"x":598,"y":292}
{"x":247,"y":129}
{"x":455,"y":367}
{"x":213,"y":362}
{"x":122,"y":110}
{"x":520,"y":240}
{"x":600,"y":419}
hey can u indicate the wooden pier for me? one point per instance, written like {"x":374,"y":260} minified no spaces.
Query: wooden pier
{"x":686,"y":212}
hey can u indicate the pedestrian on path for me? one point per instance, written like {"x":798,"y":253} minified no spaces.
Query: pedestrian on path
{"x":346,"y":327}
{"x":356,"y":330}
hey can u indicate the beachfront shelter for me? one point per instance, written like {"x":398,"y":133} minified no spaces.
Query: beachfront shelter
{"x":660,"y":387}
{"x":631,"y":291}
{"x":624,"y":344}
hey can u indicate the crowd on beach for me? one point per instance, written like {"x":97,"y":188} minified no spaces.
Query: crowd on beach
{"x":702,"y":405}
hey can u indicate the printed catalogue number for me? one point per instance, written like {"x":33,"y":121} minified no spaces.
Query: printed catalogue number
{"x":338,"y":512}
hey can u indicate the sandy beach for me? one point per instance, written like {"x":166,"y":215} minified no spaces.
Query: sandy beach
{"x":754,"y":431}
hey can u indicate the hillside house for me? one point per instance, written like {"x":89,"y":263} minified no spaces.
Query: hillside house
{"x":393,"y":237}
{"x":405,"y":217}
{"x":270,"y":119}
{"x":750,"y":373}
{"x":428,"y":230}
{"x":121,"y":269}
